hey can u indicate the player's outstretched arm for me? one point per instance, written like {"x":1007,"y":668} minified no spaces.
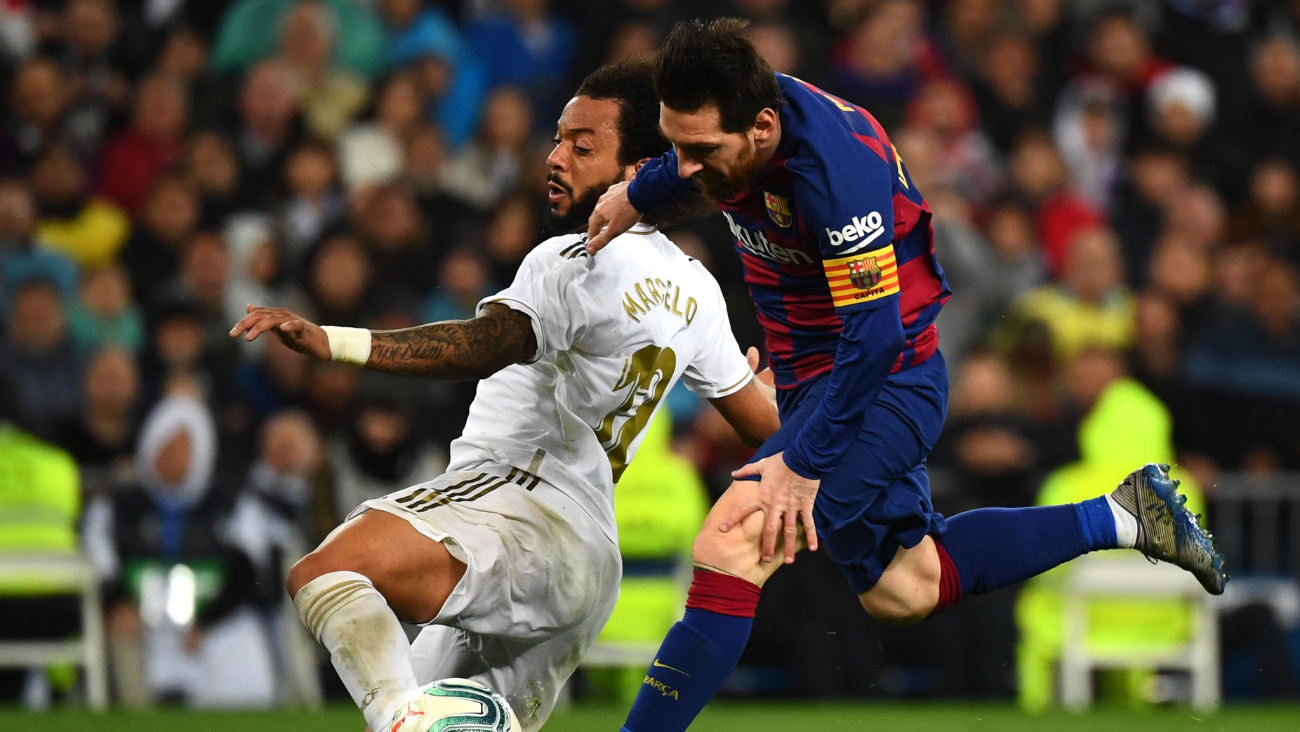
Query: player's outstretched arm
{"x":454,"y":349}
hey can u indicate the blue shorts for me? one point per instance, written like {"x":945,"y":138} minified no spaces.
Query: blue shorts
{"x":878,"y":498}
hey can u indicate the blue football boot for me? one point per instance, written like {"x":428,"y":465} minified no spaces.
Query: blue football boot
{"x":1167,"y":531}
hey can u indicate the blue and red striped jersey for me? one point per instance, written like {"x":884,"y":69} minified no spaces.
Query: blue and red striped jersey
{"x":832,"y":226}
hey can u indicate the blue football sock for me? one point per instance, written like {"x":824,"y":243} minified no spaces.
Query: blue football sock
{"x":996,"y":547}
{"x":697,"y":655}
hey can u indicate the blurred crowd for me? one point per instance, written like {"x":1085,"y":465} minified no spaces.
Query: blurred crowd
{"x":1115,"y":187}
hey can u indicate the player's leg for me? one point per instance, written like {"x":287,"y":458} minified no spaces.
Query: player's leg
{"x":703,"y":648}
{"x":351,"y":591}
{"x":990,"y":548}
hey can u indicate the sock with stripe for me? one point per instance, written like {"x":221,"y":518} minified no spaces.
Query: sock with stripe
{"x":366,"y":642}
{"x":698,"y":654}
{"x":989,"y":548}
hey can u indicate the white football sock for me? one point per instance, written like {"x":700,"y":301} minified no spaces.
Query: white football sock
{"x":366,"y":642}
{"x":1126,"y":524}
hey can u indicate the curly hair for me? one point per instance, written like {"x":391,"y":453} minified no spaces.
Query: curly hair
{"x":630,"y":83}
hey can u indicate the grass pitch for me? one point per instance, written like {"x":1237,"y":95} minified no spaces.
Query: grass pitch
{"x":806,"y":717}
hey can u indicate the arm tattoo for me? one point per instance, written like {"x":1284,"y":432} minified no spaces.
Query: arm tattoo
{"x":455,"y":349}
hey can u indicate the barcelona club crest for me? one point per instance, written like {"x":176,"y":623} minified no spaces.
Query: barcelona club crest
{"x":864,"y":273}
{"x":778,"y":208}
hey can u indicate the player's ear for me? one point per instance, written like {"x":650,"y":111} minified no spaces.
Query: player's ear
{"x":765,"y":124}
{"x":630,"y":171}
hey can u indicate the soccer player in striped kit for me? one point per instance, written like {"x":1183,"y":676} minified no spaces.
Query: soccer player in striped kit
{"x":838,"y":252}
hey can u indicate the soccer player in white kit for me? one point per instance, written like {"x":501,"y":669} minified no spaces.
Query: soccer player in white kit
{"x":510,"y":559}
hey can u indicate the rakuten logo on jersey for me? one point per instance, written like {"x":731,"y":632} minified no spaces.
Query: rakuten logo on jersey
{"x":756,"y":243}
{"x":863,"y":229}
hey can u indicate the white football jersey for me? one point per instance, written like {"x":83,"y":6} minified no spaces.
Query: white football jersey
{"x":614,"y":334}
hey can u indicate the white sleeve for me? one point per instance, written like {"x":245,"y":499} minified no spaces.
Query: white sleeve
{"x":547,"y":288}
{"x":719,"y":369}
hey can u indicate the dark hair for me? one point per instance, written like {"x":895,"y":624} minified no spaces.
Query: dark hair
{"x":712,"y":62}
{"x":630,"y":83}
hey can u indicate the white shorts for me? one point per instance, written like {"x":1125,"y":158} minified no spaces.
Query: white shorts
{"x":541,"y":580}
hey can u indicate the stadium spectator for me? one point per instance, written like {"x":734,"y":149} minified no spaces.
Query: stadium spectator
{"x":1271,"y":212}
{"x":330,"y":95}
{"x":340,"y":280}
{"x":1155,"y":179}
{"x":1270,"y":123}
{"x":1090,"y":306}
{"x":486,"y":169}
{"x":1089,"y":129}
{"x":989,"y":441}
{"x":529,"y":45}
{"x":370,"y":153}
{"x":105,"y":314}
{"x":38,"y":95}
{"x":1249,"y":358}
{"x":101,"y":436}
{"x":463,"y":282}
{"x":135,"y":157}
{"x":85,"y":228}
{"x":453,"y":80}
{"x":1119,"y":52}
{"x":269,"y":127}
{"x":276,"y":381}
{"x":212,"y":171}
{"x":776,"y":43}
{"x":257,"y":272}
{"x":399,"y":242}
{"x":38,"y":357}
{"x":970,"y":164}
{"x":203,"y":280}
{"x":382,"y":451}
{"x":1040,"y":177}
{"x":153,"y":255}
{"x":20,"y":258}
{"x":181,"y":595}
{"x":248,"y":34}
{"x":885,"y":59}
{"x":274,"y":521}
{"x":509,"y":237}
{"x":88,"y":50}
{"x":1006,"y":92}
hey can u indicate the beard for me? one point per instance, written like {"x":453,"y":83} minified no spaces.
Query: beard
{"x":718,"y":187}
{"x":580,"y":207}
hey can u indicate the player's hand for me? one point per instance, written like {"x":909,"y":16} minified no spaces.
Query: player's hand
{"x":295,"y":332}
{"x":614,"y":215}
{"x":786,"y":500}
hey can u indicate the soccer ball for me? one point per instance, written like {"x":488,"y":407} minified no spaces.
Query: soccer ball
{"x":455,"y":705}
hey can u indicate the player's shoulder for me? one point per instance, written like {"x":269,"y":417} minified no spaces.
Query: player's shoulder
{"x":558,"y":249}
{"x":820,"y":126}
{"x":644,"y":247}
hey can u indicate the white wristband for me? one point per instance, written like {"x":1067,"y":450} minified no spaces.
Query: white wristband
{"x":348,"y":345}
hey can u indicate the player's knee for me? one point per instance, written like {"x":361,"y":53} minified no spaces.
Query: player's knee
{"x":907,"y":592}
{"x":732,"y":552}
{"x":307,"y":569}
{"x":893,"y":610}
